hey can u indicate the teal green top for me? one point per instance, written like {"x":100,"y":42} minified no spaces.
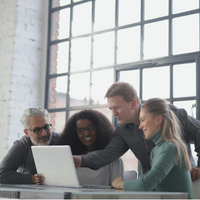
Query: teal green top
{"x":165,"y":174}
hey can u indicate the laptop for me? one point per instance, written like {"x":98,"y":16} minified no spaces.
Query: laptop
{"x":56,"y":165}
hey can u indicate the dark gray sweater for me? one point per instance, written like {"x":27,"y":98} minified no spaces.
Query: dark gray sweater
{"x":18,"y":165}
{"x":129,"y":136}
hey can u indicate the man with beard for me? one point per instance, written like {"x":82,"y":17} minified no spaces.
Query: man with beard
{"x":18,"y":165}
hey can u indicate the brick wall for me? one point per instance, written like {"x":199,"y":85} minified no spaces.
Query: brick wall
{"x":23,"y":37}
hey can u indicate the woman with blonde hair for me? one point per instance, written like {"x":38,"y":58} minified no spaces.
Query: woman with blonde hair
{"x":170,"y":163}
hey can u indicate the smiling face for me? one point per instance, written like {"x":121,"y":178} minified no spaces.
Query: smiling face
{"x":149,"y":124}
{"x":122,"y":110}
{"x":44,"y":137}
{"x":88,"y":136}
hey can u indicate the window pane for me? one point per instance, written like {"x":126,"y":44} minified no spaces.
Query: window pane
{"x":156,"y":39}
{"x":81,"y":23}
{"x":57,"y":3}
{"x":57,"y":93}
{"x":60,"y":24}
{"x":104,"y":14}
{"x":101,"y":80}
{"x":184,"y":5}
{"x":132,"y":77}
{"x":59,"y":58}
{"x":57,"y":119}
{"x":80,"y":53}
{"x":129,"y":42}
{"x":188,"y":106}
{"x":72,"y":112}
{"x":76,"y":1}
{"x":106,"y":111}
{"x":103,"y":49}
{"x":79,"y":89}
{"x":184,"y":80}
{"x":156,"y":82}
{"x":129,"y":11}
{"x":155,"y":8}
{"x":186,"y":34}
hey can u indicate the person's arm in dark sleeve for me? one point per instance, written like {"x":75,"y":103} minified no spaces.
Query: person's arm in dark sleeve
{"x":191,"y":131}
{"x":55,"y":138}
{"x":193,"y":127}
{"x":97,"y":159}
{"x":9,"y":166}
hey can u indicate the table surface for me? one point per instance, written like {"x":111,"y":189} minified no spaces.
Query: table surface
{"x":56,"y":192}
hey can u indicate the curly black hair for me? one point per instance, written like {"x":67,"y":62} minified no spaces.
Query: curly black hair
{"x":104,"y":131}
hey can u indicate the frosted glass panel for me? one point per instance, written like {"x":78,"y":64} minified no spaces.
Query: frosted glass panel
{"x":82,"y":19}
{"x":155,"y":8}
{"x":76,"y":1}
{"x":101,"y":81}
{"x":132,"y":77}
{"x":128,"y":45}
{"x":186,"y":34}
{"x":184,"y":5}
{"x":103,"y":49}
{"x":80,"y":53}
{"x":79,"y":89}
{"x":184,"y":80}
{"x":156,"y":82}
{"x":104,"y":14}
{"x":156,"y":39}
{"x":129,"y":11}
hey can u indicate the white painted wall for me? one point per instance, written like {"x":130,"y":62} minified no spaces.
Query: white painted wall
{"x":23,"y":42}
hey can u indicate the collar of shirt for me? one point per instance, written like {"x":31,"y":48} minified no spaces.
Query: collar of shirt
{"x":129,"y":125}
{"x":158,"y":139}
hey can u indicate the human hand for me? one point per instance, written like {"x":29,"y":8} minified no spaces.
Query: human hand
{"x":77,"y":161}
{"x":195,"y":173}
{"x":39,"y":180}
{"x":118,"y":183}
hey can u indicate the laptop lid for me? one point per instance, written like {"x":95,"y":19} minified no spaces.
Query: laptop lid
{"x":56,"y":165}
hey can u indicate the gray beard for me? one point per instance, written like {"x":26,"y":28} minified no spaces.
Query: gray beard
{"x":37,"y":143}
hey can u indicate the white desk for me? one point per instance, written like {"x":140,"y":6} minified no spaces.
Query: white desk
{"x":51,"y":192}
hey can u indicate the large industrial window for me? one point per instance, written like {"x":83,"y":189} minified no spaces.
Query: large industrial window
{"x":152,"y":44}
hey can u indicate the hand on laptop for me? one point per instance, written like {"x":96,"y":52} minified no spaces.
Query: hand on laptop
{"x":77,"y":161}
{"x":39,"y":180}
{"x":118,"y":183}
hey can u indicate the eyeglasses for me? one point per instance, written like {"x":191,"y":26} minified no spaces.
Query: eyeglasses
{"x":90,"y":128}
{"x":38,"y":130}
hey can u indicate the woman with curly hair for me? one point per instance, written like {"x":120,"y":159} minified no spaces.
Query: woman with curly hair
{"x":88,"y":131}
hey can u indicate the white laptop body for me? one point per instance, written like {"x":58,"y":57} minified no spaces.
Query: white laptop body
{"x":56,"y":165}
